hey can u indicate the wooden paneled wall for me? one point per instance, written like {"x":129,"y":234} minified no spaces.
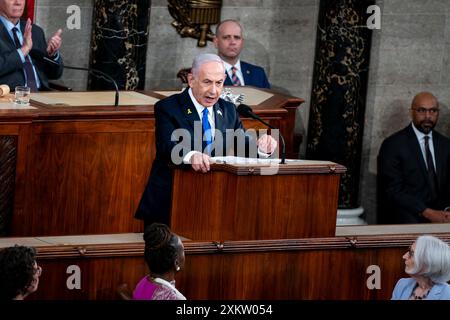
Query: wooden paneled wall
{"x":321,"y":268}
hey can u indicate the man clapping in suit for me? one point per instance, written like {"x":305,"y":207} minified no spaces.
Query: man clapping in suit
{"x":414,"y":169}
{"x":17,"y":39}
{"x":199,"y":122}
{"x":229,"y":41}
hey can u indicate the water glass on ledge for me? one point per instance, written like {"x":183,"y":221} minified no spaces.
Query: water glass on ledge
{"x":22,"y":95}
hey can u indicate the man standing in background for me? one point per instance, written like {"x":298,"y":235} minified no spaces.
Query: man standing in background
{"x":229,"y":42}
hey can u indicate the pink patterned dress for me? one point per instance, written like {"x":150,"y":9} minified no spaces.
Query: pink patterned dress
{"x":156,"y":289}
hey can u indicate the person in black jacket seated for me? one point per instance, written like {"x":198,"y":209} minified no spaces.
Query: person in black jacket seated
{"x":17,"y":40}
{"x":190,"y":128}
{"x":414,"y":169}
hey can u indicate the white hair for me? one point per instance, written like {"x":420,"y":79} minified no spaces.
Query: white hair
{"x":432,"y":259}
{"x":204,"y":58}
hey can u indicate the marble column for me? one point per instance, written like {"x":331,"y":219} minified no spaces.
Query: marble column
{"x":119,"y":43}
{"x":339,"y":90}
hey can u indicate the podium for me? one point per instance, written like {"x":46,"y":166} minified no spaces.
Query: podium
{"x":257,"y":201}
{"x":72,"y":163}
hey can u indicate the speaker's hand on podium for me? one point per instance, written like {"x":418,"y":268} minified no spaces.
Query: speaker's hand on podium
{"x":200,"y":162}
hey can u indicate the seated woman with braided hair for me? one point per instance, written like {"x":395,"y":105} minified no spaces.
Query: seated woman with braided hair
{"x":164,"y":255}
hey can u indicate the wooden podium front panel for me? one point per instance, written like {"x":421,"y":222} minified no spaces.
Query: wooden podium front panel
{"x":223,"y":206}
{"x":84,"y":177}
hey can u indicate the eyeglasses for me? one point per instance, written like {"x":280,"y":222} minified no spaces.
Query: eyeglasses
{"x":38,"y":271}
{"x":411,"y":252}
{"x":424,"y":110}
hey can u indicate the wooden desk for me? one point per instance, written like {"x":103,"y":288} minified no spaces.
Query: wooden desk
{"x":82,"y":169}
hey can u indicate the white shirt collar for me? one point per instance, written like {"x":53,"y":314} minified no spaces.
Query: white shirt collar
{"x":420,"y":134}
{"x":197,"y":105}
{"x":228,"y":66}
{"x":9,"y":25}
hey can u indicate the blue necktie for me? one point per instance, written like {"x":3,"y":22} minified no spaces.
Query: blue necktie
{"x":207,"y":131}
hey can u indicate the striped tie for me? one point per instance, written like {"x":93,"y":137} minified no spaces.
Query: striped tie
{"x":234,"y":78}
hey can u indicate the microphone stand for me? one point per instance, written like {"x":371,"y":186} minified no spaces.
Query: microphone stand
{"x":94,"y":72}
{"x":99,"y":73}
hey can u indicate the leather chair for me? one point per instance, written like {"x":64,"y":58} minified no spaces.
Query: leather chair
{"x":183,"y":75}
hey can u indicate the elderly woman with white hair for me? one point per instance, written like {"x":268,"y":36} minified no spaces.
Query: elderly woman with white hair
{"x":428,"y":263}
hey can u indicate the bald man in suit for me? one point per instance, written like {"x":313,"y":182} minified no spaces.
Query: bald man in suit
{"x":229,"y":41}
{"x":414,"y":169}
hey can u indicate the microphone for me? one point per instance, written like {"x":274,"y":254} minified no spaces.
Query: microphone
{"x":41,"y":56}
{"x":245,"y":111}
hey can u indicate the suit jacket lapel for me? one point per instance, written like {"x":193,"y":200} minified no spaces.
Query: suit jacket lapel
{"x":218,"y":118}
{"x":5,"y":35}
{"x":22,"y":26}
{"x":435,"y":292}
{"x":438,"y":157}
{"x":188,"y":108}
{"x":246,"y":72}
{"x":227,"y":81}
{"x":220,"y":127}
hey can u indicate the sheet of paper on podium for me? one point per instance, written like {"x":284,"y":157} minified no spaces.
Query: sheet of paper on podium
{"x":252,"y":161}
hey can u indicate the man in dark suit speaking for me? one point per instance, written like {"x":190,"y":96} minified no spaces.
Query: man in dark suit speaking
{"x":17,"y":39}
{"x":414,"y":169}
{"x":229,"y":41}
{"x":190,"y":127}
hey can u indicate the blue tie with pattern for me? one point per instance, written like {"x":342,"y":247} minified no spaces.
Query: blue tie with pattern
{"x":207,"y":131}
{"x":234,"y":78}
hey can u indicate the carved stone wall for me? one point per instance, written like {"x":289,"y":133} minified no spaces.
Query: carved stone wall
{"x":119,"y":43}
